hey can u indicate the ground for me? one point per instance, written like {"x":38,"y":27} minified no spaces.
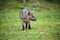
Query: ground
{"x":47,"y":26}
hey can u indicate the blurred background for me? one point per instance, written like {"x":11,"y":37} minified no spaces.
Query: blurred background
{"x":47,"y":26}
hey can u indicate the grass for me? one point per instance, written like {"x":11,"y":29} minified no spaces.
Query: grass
{"x":47,"y":26}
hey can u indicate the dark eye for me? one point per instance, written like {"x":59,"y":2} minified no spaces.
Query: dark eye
{"x":32,"y":16}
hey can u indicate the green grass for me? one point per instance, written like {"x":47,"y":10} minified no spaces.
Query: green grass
{"x":47,"y":26}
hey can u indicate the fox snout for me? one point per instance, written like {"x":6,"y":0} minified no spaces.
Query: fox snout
{"x":33,"y":19}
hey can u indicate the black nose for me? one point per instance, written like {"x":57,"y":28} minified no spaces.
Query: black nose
{"x":35,"y":19}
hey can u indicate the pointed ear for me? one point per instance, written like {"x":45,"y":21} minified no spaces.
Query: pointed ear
{"x":28,"y":13}
{"x":32,"y":11}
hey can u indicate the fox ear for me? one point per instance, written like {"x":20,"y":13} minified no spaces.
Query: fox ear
{"x":28,"y":13}
{"x":32,"y":11}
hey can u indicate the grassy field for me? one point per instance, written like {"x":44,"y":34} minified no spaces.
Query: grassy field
{"x":47,"y":26}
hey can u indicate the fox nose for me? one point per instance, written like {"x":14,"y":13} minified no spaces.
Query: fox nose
{"x":35,"y":19}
